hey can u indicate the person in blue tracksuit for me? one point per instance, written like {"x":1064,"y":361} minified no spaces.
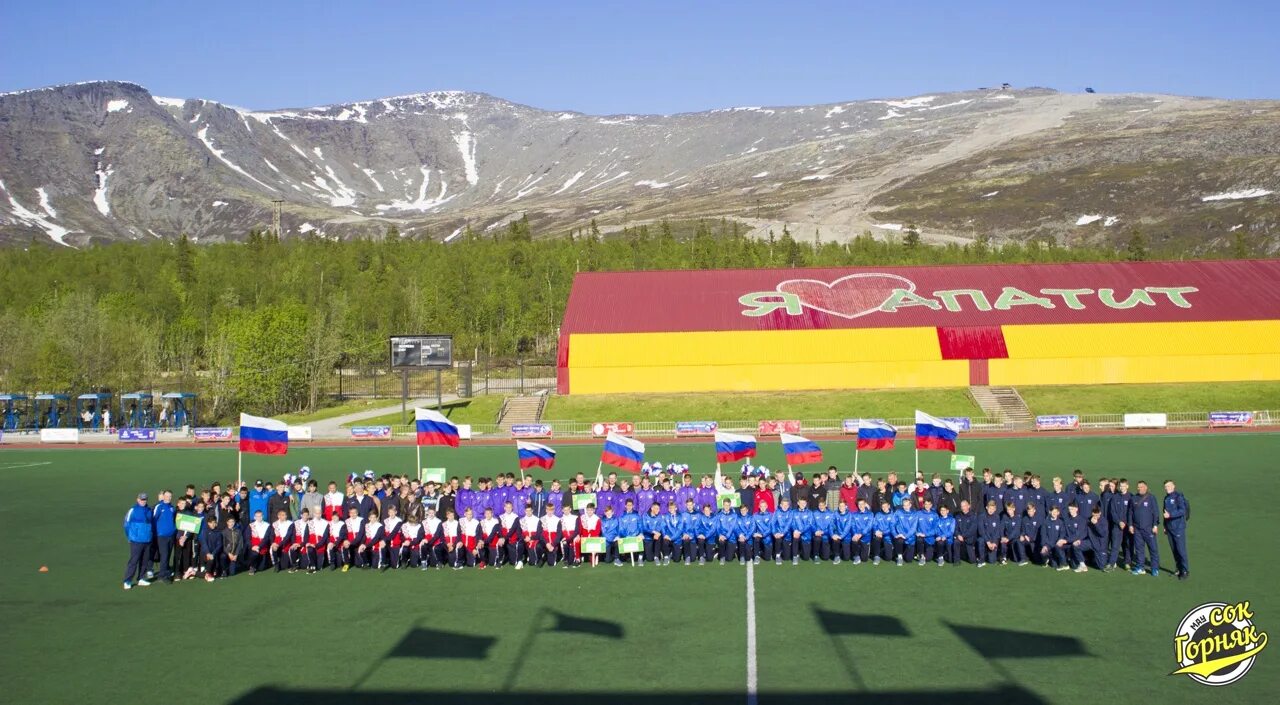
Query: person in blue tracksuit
{"x":762,"y":526}
{"x":1010,"y":526}
{"x":1056,"y":497}
{"x":1086,"y":499}
{"x":676,"y":527}
{"x":782,"y":528}
{"x":744,"y":530}
{"x":162,"y":524}
{"x":990,"y":531}
{"x":1120,"y":547}
{"x":1019,"y":495}
{"x":726,"y":532}
{"x":823,"y":524}
{"x":995,"y":493}
{"x":967,"y":541}
{"x":705,"y":538}
{"x":884,"y":524}
{"x":926,"y":531}
{"x":1144,"y":525}
{"x":1077,"y":536}
{"x":944,"y":534}
{"x":138,"y":530}
{"x":609,"y":530}
{"x":801,"y":532}
{"x":1029,"y":535}
{"x":859,"y":537}
{"x":905,"y":521}
{"x":1053,"y":540}
{"x":651,"y":524}
{"x":1176,"y":511}
{"x":842,"y":533}
{"x":1099,"y":534}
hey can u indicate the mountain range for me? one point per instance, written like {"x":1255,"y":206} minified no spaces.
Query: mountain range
{"x":108,"y":161}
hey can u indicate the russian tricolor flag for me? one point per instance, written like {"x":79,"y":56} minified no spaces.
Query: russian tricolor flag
{"x":263,"y":436}
{"x":733,"y":446}
{"x":434,"y":429}
{"x":623,"y":452}
{"x":874,"y":434}
{"x":933,"y":433}
{"x":535,"y":455}
{"x":800,"y":450}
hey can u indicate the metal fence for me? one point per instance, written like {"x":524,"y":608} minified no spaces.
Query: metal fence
{"x":977,"y":424}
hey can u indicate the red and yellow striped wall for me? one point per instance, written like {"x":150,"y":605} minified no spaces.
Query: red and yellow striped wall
{"x":772,"y":360}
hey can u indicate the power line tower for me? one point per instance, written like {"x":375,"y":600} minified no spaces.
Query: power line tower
{"x":275,"y":216}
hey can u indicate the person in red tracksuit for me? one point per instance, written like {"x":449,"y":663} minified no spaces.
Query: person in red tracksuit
{"x":451,"y":535}
{"x":353,"y":538}
{"x":488,"y":544}
{"x":468,"y":538}
{"x":281,"y":540}
{"x":391,"y":527}
{"x":259,"y":543}
{"x":333,"y":500}
{"x":569,"y":547}
{"x":410,"y":551}
{"x":432,"y":547}
{"x":549,"y":537}
{"x":509,"y":534}
{"x":373,"y":546}
{"x":333,"y":550}
{"x":317,"y":540}
{"x":298,"y":548}
{"x":589,"y":527}
{"x":530,"y":531}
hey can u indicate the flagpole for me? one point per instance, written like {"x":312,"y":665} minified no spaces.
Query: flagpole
{"x":419,"y":468}
{"x":917,"y":462}
{"x":855,"y":463}
{"x":239,"y":465}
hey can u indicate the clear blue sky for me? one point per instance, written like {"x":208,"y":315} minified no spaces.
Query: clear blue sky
{"x":650,"y":56}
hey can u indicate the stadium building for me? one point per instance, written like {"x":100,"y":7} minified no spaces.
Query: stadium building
{"x":936,"y":326}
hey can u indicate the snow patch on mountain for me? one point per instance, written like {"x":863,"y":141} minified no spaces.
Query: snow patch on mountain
{"x":467,"y":146}
{"x":53,"y":230}
{"x":570,"y":182}
{"x":115,"y":106}
{"x":100,"y":193}
{"x":1237,"y":195}
{"x":203,"y":135}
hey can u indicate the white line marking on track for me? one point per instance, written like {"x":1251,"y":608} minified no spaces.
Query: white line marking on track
{"x":753,"y":675}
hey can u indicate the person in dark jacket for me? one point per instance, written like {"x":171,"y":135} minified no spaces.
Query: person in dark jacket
{"x":185,"y":552}
{"x":970,"y":489}
{"x":947,"y":498}
{"x":1176,"y":511}
{"x":1144,"y":524}
{"x":232,"y":546}
{"x":211,"y":547}
{"x":966,"y":542}
{"x":137,"y":529}
{"x":279,"y":501}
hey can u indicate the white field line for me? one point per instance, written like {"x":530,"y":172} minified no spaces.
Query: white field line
{"x":753,"y":675}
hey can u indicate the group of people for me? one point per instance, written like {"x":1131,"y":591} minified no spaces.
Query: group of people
{"x":392,"y":522}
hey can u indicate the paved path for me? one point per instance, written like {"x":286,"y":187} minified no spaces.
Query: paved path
{"x":332,"y":427}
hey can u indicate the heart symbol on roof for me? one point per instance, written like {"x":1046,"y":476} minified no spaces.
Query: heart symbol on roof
{"x":850,"y":296}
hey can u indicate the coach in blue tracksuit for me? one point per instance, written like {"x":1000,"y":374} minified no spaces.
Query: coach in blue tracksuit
{"x":162,"y":526}
{"x":966,"y":535}
{"x":1176,"y":512}
{"x":801,"y":532}
{"x":782,"y":528}
{"x":990,"y":531}
{"x":1144,"y":524}
{"x":137,"y":528}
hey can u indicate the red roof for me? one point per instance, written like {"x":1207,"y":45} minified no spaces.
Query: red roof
{"x":885,"y":297}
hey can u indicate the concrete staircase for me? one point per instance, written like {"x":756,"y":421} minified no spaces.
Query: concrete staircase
{"x":521,"y":410}
{"x":1003,"y":404}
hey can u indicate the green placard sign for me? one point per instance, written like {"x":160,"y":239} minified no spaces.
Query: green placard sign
{"x":960,"y":463}
{"x":187,"y":522}
{"x":735,"y":500}
{"x":630,"y":544}
{"x":580,"y":501}
{"x":592,"y":544}
{"x":436,"y":475}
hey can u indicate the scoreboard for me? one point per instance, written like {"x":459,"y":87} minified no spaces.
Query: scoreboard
{"x":421,"y":351}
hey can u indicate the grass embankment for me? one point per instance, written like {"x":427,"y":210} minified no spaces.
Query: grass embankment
{"x":1135,"y":398}
{"x":477,"y":410}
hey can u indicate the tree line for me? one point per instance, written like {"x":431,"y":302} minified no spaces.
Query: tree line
{"x":262,"y":324}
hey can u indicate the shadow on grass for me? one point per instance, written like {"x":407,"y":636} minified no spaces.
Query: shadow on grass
{"x":1004,"y":695}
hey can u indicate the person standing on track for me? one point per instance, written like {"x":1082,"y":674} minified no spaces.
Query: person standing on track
{"x":137,"y":529}
{"x":163,"y":529}
{"x":1176,"y":513}
{"x":1144,"y":524}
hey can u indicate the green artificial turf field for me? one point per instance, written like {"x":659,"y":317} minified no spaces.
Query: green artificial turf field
{"x":659,"y":635}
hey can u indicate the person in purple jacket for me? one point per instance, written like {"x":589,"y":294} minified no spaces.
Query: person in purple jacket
{"x":625,"y":494}
{"x":645,"y":496}
{"x":466,"y":498}
{"x":665,"y":495}
{"x":688,"y":491}
{"x":555,"y":496}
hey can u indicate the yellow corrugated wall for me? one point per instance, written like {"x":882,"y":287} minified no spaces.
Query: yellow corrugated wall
{"x":909,"y":357}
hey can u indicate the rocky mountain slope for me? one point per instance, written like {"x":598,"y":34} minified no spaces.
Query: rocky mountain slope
{"x":105,"y":161}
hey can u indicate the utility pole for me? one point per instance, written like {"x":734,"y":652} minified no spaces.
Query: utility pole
{"x":276,"y":204}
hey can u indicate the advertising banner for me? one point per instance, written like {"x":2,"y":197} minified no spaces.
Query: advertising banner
{"x":370,"y":433}
{"x":1058,"y":422}
{"x":777,"y":428}
{"x":1146,"y":420}
{"x":600,"y":429}
{"x":1222,"y":419}
{"x":299,"y":433}
{"x":137,"y":435}
{"x":961,"y":421}
{"x":59,"y":435}
{"x":696,"y":428}
{"x":212,"y":434}
{"x":531,"y":430}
